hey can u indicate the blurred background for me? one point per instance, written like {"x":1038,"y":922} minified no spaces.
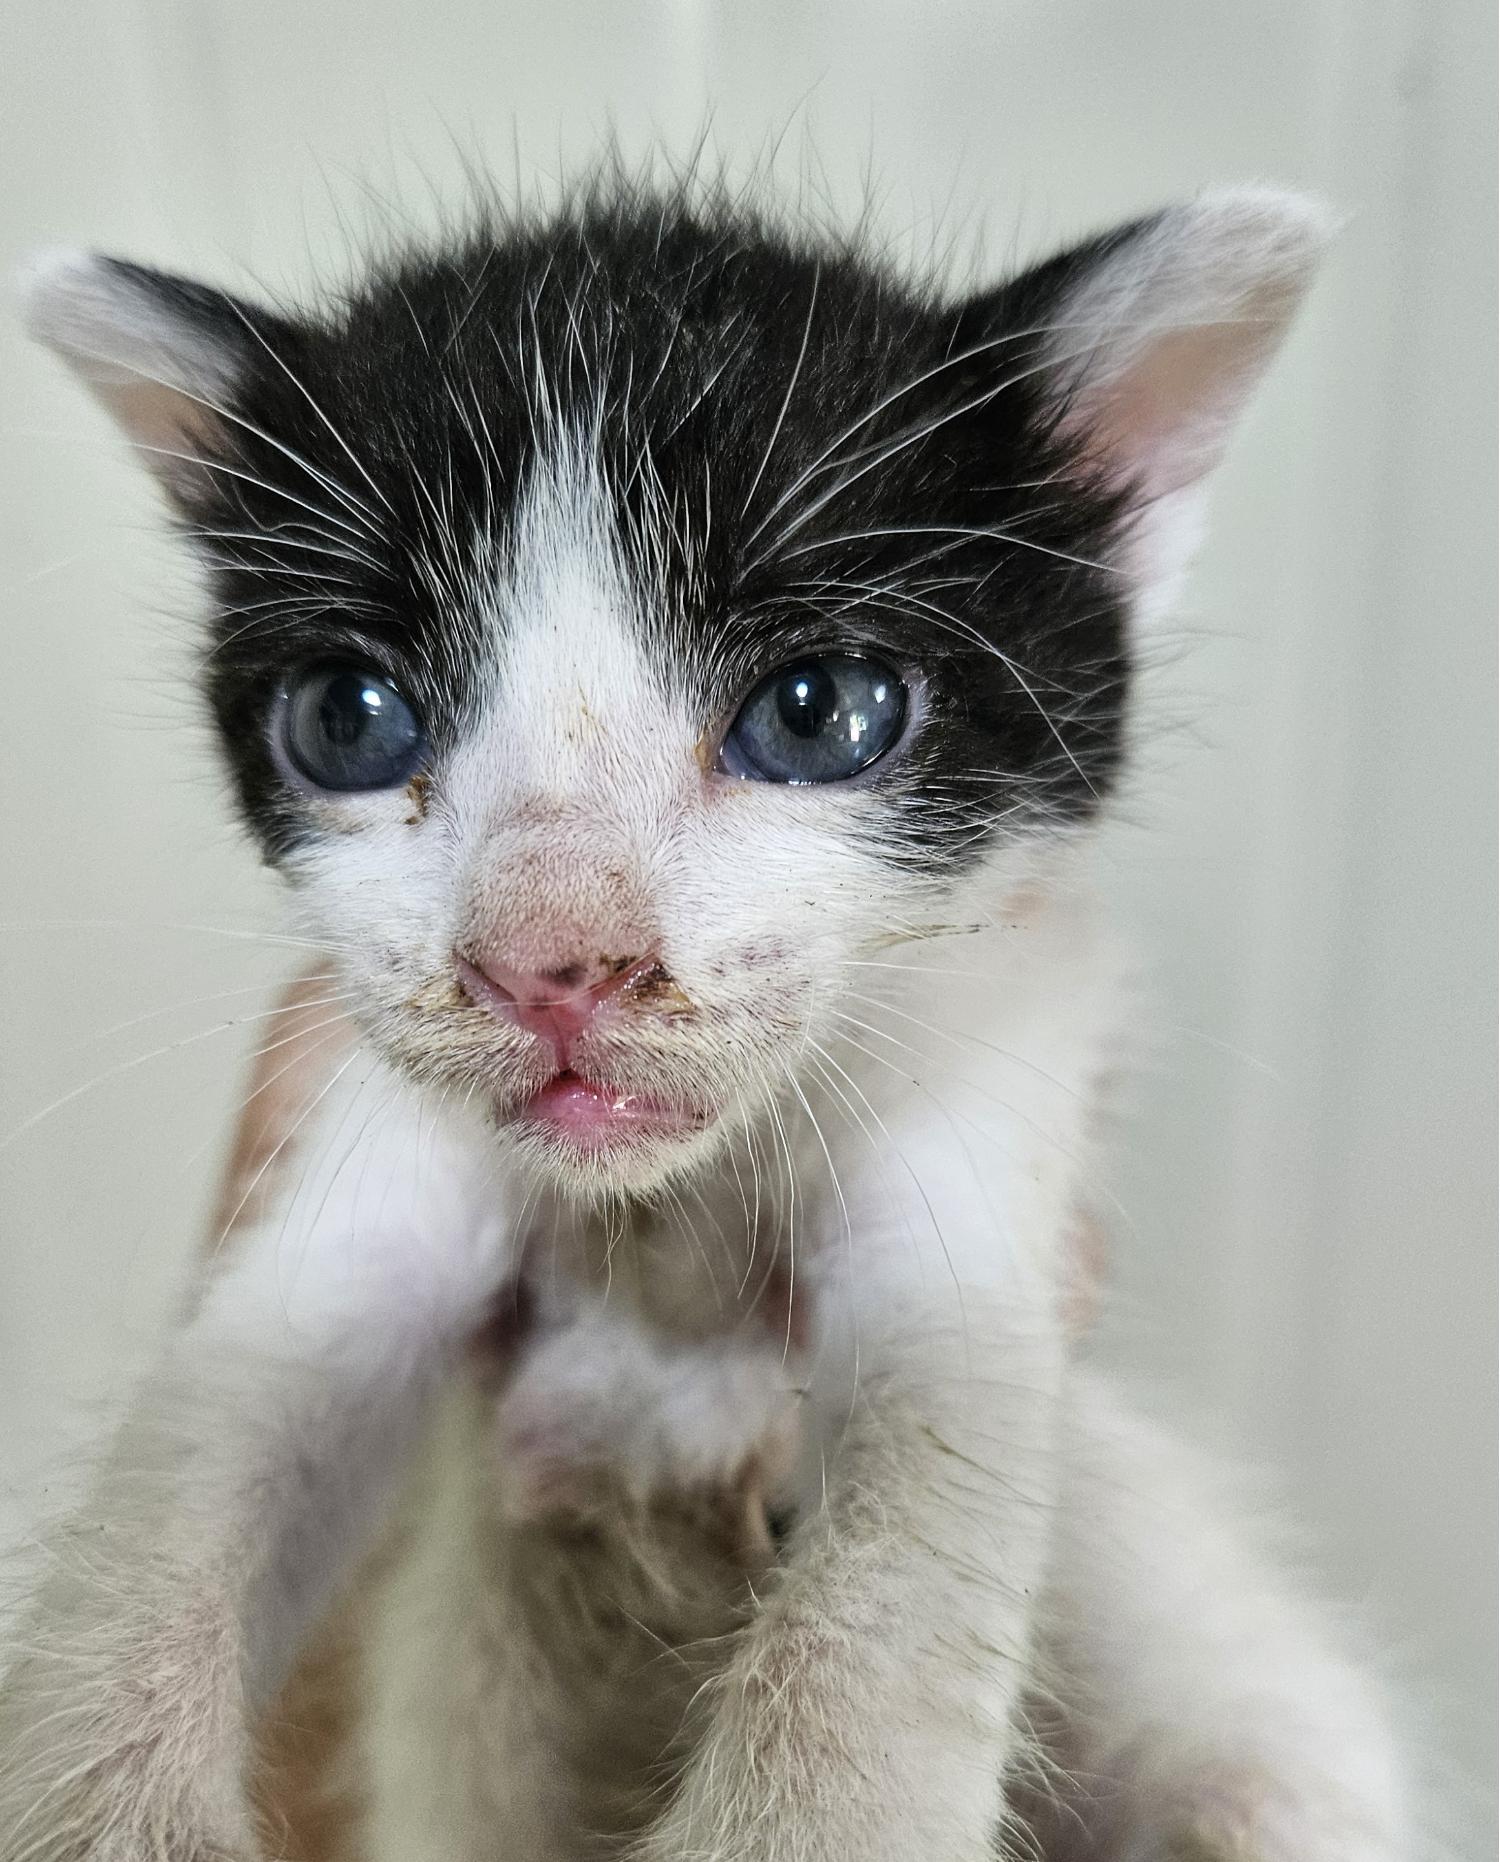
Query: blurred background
{"x":1306,"y":1267}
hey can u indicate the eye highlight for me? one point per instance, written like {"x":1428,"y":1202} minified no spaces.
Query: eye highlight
{"x":346,"y":728}
{"x":821,"y":719}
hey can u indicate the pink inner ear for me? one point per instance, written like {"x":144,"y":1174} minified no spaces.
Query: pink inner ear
{"x":162,"y":421}
{"x":1161,"y":422}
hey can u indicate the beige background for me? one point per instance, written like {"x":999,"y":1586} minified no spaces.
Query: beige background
{"x":1308,"y":856}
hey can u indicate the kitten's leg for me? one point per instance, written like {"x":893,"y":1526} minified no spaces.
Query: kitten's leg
{"x":254,"y":1463}
{"x":1207,"y":1717}
{"x":871,"y":1701}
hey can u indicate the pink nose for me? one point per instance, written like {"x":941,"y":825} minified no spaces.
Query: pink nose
{"x":555,"y":1005}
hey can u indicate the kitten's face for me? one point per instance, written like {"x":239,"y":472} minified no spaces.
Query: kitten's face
{"x":626,"y":630}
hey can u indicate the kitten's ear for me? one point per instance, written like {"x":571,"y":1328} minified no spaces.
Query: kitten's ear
{"x":163,"y":355}
{"x":1151,"y":339}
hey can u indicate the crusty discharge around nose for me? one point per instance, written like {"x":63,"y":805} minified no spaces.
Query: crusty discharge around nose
{"x":554,"y":1004}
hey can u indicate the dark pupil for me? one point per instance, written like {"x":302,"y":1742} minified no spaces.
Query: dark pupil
{"x":820,"y":720}
{"x":807,"y":699}
{"x":350,"y":705}
{"x":347,"y":728}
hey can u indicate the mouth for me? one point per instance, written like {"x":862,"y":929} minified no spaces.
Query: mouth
{"x":588,"y":1117}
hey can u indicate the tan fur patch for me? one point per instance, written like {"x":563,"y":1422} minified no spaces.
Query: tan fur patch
{"x":1085,"y":1264}
{"x":301,"y":1783}
{"x":304,"y":1773}
{"x":301,"y":1779}
{"x":308,"y":1040}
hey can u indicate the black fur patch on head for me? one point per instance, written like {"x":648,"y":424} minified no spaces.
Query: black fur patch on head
{"x":803,"y":449}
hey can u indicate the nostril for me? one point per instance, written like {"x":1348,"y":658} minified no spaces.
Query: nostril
{"x":571,"y":976}
{"x":482,"y":988}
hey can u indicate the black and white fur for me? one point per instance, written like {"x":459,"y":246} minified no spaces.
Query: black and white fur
{"x":576,"y":485}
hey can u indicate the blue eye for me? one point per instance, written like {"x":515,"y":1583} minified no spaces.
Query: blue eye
{"x":347,"y":728}
{"x":819,"y":720}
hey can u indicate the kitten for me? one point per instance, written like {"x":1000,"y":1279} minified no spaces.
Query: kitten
{"x":677,"y":664}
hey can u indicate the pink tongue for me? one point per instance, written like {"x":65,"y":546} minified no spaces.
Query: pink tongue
{"x":578,"y":1109}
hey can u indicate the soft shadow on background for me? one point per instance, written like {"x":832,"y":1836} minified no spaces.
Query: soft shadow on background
{"x":1306,"y":1275}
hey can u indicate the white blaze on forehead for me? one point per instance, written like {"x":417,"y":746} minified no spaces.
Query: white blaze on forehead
{"x":577,"y":698}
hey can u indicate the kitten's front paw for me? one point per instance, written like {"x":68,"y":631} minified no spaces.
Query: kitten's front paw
{"x":112,"y":1799}
{"x":1244,"y":1818}
{"x":809,"y":1838}
{"x":98,"y":1837}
